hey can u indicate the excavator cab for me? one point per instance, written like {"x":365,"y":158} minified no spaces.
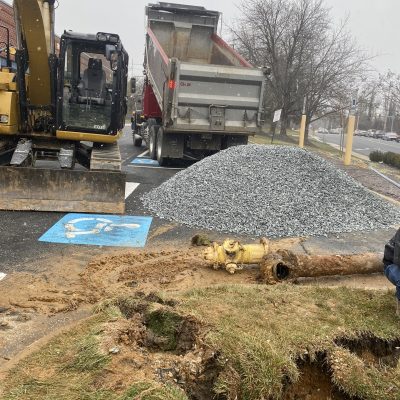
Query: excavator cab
{"x":91,"y":90}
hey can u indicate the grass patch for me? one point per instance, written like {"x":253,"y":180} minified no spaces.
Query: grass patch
{"x":153,"y":391}
{"x":264,"y":336}
{"x":88,"y":357}
{"x":64,"y":369}
{"x":265,"y":331}
{"x":292,"y":139}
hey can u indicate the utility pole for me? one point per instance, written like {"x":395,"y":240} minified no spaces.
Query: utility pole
{"x":388,"y":105}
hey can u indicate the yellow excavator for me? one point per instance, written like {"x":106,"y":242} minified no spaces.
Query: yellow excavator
{"x":61,"y":115}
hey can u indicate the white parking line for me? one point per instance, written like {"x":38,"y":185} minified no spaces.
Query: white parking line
{"x":152,"y":167}
{"x":129,"y":188}
{"x":2,"y":275}
{"x":143,"y":154}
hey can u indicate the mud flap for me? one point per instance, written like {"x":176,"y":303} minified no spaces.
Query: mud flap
{"x":35,"y":189}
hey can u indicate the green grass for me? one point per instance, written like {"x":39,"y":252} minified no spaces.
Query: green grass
{"x":72,"y":367}
{"x":261,"y":333}
{"x":153,"y":391}
{"x":88,"y":357}
{"x":64,"y":369}
{"x":292,"y":139}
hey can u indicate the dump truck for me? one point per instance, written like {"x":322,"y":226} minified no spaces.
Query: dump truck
{"x":199,"y":94}
{"x":58,"y":110}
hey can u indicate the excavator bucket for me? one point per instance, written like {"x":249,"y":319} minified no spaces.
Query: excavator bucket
{"x":36,"y":189}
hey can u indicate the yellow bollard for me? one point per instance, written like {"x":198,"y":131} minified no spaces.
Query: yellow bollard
{"x":302,"y":130}
{"x":349,"y":140}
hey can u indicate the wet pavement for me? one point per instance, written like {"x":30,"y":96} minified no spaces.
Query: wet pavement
{"x":20,"y":249}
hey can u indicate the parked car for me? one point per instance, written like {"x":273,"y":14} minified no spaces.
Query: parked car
{"x":390,"y":136}
{"x":379,"y":134}
{"x":336,"y":131}
{"x":322,"y":130}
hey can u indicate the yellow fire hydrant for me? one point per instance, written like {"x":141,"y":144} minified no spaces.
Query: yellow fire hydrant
{"x":232,"y":255}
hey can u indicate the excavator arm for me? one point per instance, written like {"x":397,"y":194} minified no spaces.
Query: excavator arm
{"x":34,"y":21}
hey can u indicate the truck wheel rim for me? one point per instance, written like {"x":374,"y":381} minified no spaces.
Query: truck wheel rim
{"x":151,"y":145}
{"x":159,"y":150}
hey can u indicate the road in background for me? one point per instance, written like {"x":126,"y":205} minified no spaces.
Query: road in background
{"x":362,"y":145}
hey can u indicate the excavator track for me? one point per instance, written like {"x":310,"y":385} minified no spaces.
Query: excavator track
{"x":105,"y":157}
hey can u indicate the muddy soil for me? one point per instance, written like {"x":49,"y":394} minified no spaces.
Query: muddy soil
{"x":314,"y":384}
{"x":161,"y":346}
{"x":65,"y":285}
{"x":34,"y":305}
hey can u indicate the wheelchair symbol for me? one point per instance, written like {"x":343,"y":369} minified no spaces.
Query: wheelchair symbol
{"x":100,"y":225}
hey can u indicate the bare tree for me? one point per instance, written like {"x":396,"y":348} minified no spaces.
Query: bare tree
{"x":311,"y":63}
{"x":390,"y":95}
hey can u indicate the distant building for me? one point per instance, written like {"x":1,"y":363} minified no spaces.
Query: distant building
{"x":6,"y":22}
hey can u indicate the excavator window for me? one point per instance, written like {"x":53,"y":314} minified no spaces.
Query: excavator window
{"x":88,"y":92}
{"x":91,"y":88}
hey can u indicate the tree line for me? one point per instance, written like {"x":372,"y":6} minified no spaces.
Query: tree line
{"x":316,"y":67}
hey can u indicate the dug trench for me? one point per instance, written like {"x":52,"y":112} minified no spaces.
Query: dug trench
{"x":63,"y":290}
{"x":174,"y":347}
{"x":170,"y":321}
{"x":178,"y":354}
{"x":142,"y":343}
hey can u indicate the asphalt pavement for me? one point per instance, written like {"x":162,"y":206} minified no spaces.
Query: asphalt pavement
{"x":361,"y":144}
{"x":21,"y":250}
{"x":20,"y":231}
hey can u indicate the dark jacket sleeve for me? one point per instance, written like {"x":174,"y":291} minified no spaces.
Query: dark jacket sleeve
{"x":396,"y":253}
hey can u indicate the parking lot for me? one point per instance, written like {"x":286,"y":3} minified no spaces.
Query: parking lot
{"x":362,"y":144}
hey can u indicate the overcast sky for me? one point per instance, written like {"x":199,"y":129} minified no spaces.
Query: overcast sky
{"x":373,"y":23}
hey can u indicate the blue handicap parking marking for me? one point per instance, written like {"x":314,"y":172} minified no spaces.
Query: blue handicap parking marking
{"x":100,"y":230}
{"x":145,"y":161}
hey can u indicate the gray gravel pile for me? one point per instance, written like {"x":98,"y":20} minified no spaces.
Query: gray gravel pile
{"x":273,"y":191}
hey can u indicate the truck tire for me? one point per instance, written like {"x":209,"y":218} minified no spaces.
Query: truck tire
{"x":153,"y":133}
{"x":137,"y":140}
{"x":162,"y":161}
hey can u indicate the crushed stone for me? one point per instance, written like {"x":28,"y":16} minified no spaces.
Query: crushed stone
{"x":273,"y":191}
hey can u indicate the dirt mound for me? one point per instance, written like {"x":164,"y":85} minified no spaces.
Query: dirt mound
{"x":148,"y":272}
{"x":153,"y":341}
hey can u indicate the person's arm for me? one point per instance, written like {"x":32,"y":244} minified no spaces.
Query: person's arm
{"x":396,"y":255}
